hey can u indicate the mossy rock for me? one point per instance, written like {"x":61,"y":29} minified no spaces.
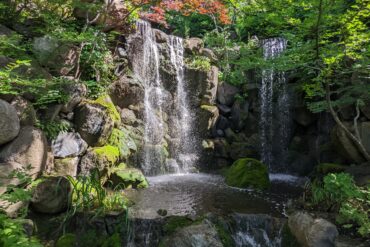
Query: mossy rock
{"x":123,"y":142}
{"x":108,"y":153}
{"x":106,"y":101}
{"x":325,"y":168}
{"x":246,"y":173}
{"x":67,"y":240}
{"x":127,"y":177}
{"x":101,"y":159}
{"x":175,"y":222}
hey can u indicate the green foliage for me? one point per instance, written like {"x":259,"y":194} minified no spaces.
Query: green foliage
{"x":175,"y":222}
{"x":198,"y":62}
{"x":12,"y":234}
{"x":53,"y":128}
{"x":352,"y":203}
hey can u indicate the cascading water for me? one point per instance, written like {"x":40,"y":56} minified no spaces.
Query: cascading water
{"x":186,"y":154}
{"x":168,"y":137}
{"x":275,"y":110}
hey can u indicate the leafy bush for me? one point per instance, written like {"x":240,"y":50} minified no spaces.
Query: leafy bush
{"x":339,"y":193}
{"x":53,"y":128}
{"x":199,"y":63}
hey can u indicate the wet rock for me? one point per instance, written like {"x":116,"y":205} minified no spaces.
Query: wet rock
{"x":7,"y":176}
{"x":312,"y":232}
{"x":226,"y":94}
{"x":126,"y":92}
{"x":224,"y":110}
{"x":300,"y":164}
{"x":240,"y":150}
{"x":303,"y":116}
{"x":160,"y":37}
{"x":207,"y":118}
{"x":124,"y":177}
{"x":52,"y":195}
{"x":66,"y":167}
{"x":222,"y":123}
{"x":29,"y":148}
{"x":239,"y":114}
{"x":9,"y":122}
{"x":93,"y":122}
{"x":128,"y":116}
{"x":221,"y":148}
{"x":99,"y":159}
{"x":25,"y":111}
{"x":193,"y":45}
{"x":200,"y":235}
{"x":247,"y":172}
{"x":68,"y":144}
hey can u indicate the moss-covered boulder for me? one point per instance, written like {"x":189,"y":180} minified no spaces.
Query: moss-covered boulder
{"x":106,"y":101}
{"x":67,"y":240}
{"x":246,"y":172}
{"x":127,"y":177}
{"x":122,"y":140}
{"x":100,"y":158}
{"x":325,"y":168}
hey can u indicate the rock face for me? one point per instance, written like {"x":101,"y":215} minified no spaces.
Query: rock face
{"x":312,"y":232}
{"x":77,"y":92}
{"x":66,"y":167}
{"x":29,"y":148}
{"x":52,"y":195}
{"x":193,"y":45}
{"x":68,"y":145}
{"x":200,"y":235}
{"x":93,"y":123}
{"x":126,"y":92}
{"x":226,"y":94}
{"x":246,"y":173}
{"x":9,"y":122}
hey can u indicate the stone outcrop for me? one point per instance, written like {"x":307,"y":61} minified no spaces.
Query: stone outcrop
{"x":25,"y":111}
{"x":311,"y":232}
{"x":9,"y":122}
{"x":68,"y":144}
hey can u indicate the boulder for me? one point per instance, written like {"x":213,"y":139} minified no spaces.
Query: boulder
{"x":52,"y":195}
{"x":76,"y":92}
{"x":193,"y":45}
{"x":249,"y":148}
{"x":124,"y":177}
{"x":128,"y":117}
{"x":93,"y":122}
{"x":9,"y":122}
{"x":29,"y":149}
{"x":126,"y":92}
{"x":59,"y":58}
{"x":4,"y":31}
{"x":66,"y":167}
{"x":99,"y":159}
{"x":209,"y":54}
{"x":345,"y":146}
{"x":246,"y":173}
{"x":7,"y":176}
{"x":300,"y":164}
{"x":123,"y":141}
{"x":203,"y":234}
{"x":360,"y":173}
{"x":207,"y":118}
{"x":226,"y":94}
{"x":311,"y":232}
{"x":25,"y":111}
{"x":68,"y":144}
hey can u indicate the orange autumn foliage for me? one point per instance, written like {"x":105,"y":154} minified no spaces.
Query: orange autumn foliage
{"x":158,"y":9}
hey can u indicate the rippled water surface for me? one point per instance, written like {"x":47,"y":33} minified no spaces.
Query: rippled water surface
{"x":196,"y":194}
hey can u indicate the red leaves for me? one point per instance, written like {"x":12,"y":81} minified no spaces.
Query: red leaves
{"x":186,"y":7}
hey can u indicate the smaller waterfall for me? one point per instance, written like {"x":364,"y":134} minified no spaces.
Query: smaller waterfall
{"x":186,"y":155}
{"x":275,"y":116}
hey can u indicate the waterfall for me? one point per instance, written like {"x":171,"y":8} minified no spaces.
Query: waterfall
{"x":186,"y":155}
{"x":168,"y":120}
{"x":275,"y":116}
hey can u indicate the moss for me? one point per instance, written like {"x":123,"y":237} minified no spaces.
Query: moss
{"x":175,"y":222}
{"x":325,"y":168}
{"x":106,"y":101}
{"x":127,"y":177}
{"x":288,"y":239}
{"x":67,"y":240}
{"x":246,"y":172}
{"x":109,"y":153}
{"x":201,"y":63}
{"x":118,"y":139}
{"x":224,"y":235}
